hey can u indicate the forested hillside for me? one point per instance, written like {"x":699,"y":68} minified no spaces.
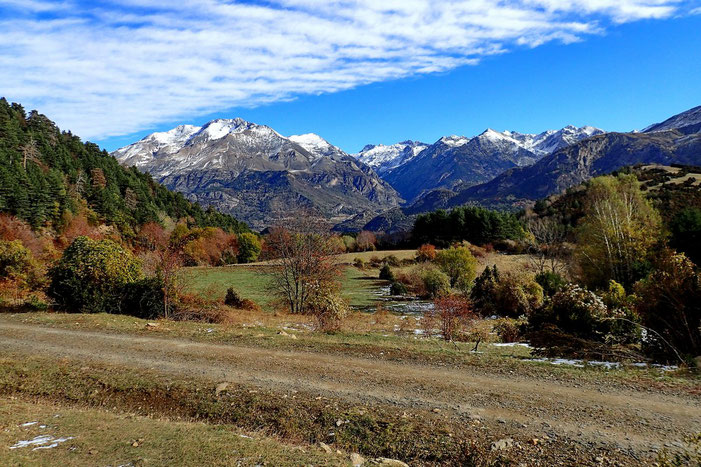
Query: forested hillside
{"x":47,"y":176}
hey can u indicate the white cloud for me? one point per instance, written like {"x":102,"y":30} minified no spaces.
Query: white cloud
{"x":120,"y":66}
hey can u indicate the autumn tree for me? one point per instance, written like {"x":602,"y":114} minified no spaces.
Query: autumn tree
{"x":303,"y":273}
{"x":460,"y":266}
{"x":452,"y":314}
{"x":169,"y":253}
{"x":617,"y":233}
{"x":249,"y":247}
{"x":669,"y":306}
{"x":426,"y":252}
{"x":366,"y":241}
{"x":547,"y":244}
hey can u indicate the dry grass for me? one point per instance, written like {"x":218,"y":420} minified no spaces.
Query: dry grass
{"x":100,"y":437}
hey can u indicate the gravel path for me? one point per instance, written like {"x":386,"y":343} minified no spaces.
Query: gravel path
{"x":633,"y":420}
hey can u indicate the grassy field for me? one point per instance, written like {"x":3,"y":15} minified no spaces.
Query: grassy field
{"x":360,"y":287}
{"x":91,"y":436}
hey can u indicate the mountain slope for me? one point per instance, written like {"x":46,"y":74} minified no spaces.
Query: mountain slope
{"x":255,"y":173}
{"x":570,"y":166}
{"x":383,"y":158}
{"x":458,"y":162}
{"x":686,"y":122}
{"x":47,"y":175}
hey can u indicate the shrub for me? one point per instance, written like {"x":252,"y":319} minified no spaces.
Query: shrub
{"x":453,"y":314}
{"x":35,"y":303}
{"x":426,"y":253}
{"x":458,"y":264}
{"x":16,"y":260}
{"x":551,"y":282}
{"x":326,"y":305}
{"x":349,"y":243}
{"x":508,"y":330}
{"x":392,"y":260}
{"x":234,"y":300}
{"x":484,"y":290}
{"x":386,"y":273}
{"x":249,"y":246}
{"x":375,"y":261}
{"x":143,"y":298}
{"x":576,"y":311}
{"x":91,"y":275}
{"x":670,"y":305}
{"x":435,"y":282}
{"x":517,"y":295}
{"x":397,"y":288}
{"x":511,"y":295}
{"x":359,"y":263}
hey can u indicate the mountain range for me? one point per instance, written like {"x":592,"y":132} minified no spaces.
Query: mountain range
{"x":674,"y":141}
{"x":260,"y":176}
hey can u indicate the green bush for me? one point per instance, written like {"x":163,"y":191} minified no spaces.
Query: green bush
{"x":392,"y":260}
{"x":36,"y":304}
{"x":91,"y":275}
{"x":459,"y":264}
{"x":250,"y":247}
{"x":578,"y":312}
{"x":435,"y":282}
{"x":510,"y":295}
{"x":551,"y":282}
{"x":386,"y":273}
{"x":16,"y":260}
{"x":397,"y":288}
{"x":359,"y":263}
{"x":483,"y":291}
{"x":143,"y":298}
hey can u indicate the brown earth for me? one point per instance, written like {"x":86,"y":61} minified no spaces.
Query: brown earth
{"x":630,"y":423}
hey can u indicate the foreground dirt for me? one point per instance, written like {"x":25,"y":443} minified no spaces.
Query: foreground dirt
{"x":631,"y":424}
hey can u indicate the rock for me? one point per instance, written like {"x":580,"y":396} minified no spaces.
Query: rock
{"x":327,"y":449}
{"x":436,"y":410}
{"x":152,"y":325}
{"x":502,"y":444}
{"x":221,"y":387}
{"x":283,"y":333}
{"x":475,"y":417}
{"x":534,"y":441}
{"x":390,"y":462}
{"x":357,"y":460}
{"x":339,"y":422}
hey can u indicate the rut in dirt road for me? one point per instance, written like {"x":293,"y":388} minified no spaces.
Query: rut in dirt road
{"x":629,"y":418}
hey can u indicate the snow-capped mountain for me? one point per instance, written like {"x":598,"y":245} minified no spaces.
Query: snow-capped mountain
{"x":258,"y":175}
{"x":686,"y":122}
{"x":457,"y":162}
{"x":551,"y":140}
{"x":384,"y":158}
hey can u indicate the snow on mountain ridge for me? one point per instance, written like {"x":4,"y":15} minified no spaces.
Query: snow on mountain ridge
{"x":384,"y":158}
{"x":691,"y":119}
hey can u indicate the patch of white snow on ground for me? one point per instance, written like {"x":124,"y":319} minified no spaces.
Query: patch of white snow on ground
{"x":512,"y":344}
{"x":607,"y":365}
{"x":29,"y":423}
{"x":41,"y":442}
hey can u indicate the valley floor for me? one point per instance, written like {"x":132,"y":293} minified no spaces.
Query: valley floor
{"x":422,"y":402}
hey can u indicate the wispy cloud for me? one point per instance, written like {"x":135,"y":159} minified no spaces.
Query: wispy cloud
{"x":120,"y":66}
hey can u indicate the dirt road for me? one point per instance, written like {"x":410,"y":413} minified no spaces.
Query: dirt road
{"x":636,"y":421}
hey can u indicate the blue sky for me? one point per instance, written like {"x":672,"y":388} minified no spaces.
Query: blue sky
{"x":351,"y":71}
